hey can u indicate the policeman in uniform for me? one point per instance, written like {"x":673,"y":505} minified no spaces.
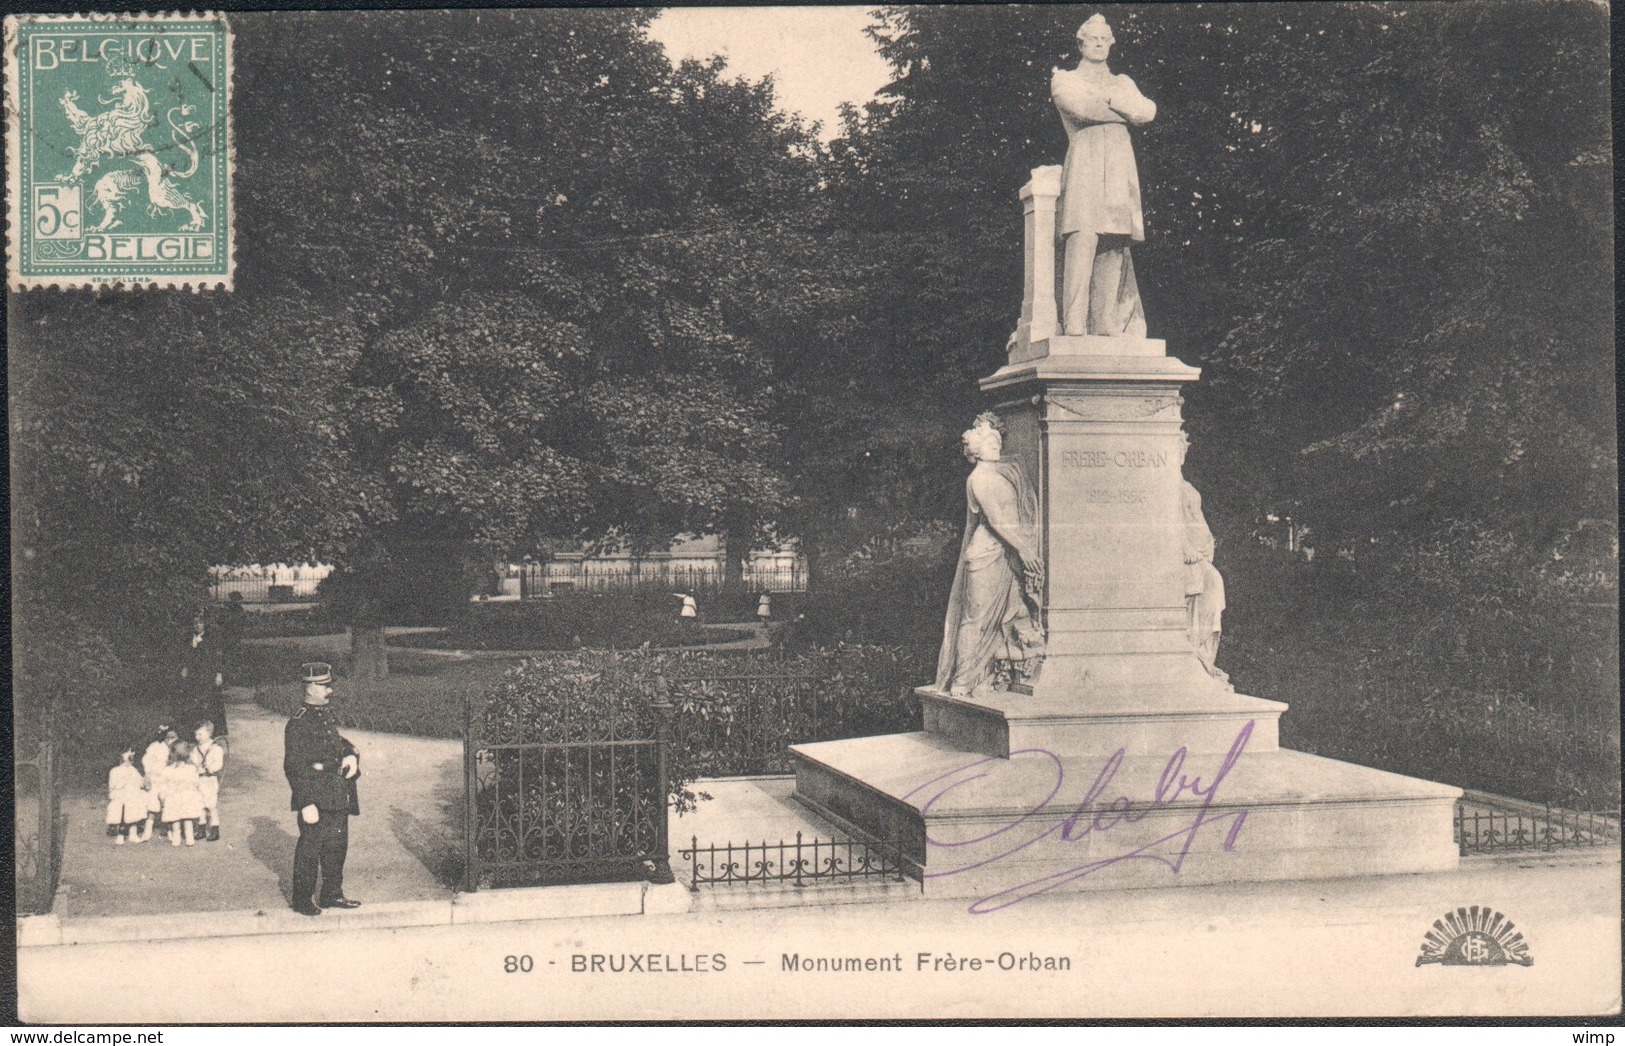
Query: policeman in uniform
{"x":322,"y":768}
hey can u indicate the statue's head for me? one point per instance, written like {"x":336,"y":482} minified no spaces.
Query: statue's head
{"x":1095,"y":39}
{"x":983,"y":441}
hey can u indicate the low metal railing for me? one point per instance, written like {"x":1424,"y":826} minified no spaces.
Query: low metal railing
{"x":539,"y":580}
{"x":1487,"y":824}
{"x":804,"y":862}
{"x":264,"y":590}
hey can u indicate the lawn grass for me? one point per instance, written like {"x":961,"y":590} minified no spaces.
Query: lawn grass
{"x":305,"y":621}
{"x":423,"y":695}
{"x":595,"y":621}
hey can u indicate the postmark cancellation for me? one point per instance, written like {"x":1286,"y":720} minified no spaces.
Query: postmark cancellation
{"x":118,"y":151}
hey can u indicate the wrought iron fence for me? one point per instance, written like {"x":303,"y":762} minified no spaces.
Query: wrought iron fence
{"x":263,"y":589}
{"x":568,"y":811}
{"x":1490,"y":824}
{"x":742,"y":725}
{"x":37,"y":829}
{"x":804,"y":862}
{"x":538,"y":580}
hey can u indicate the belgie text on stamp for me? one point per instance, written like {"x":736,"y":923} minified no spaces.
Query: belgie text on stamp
{"x":118,"y":146}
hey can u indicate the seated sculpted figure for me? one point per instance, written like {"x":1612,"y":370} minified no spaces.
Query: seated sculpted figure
{"x":993,"y":607}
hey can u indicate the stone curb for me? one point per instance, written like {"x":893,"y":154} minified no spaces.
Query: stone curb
{"x":818,"y":895}
{"x":491,"y":906}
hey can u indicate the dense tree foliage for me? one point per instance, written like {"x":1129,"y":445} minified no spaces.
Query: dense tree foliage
{"x":559,"y":252}
{"x":1382,"y":230}
{"x":148,"y":443}
{"x":501,"y":276}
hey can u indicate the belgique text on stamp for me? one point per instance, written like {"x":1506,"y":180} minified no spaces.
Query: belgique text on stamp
{"x":118,"y":147}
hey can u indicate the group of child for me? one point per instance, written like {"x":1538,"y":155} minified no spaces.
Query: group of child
{"x":177,"y":782}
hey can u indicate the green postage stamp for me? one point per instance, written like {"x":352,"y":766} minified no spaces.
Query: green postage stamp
{"x":118,"y":148}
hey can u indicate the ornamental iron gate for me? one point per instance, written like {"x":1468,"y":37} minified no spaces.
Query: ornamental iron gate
{"x":570,"y":811}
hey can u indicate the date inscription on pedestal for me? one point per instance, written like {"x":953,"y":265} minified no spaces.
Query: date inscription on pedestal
{"x":1111,"y":496}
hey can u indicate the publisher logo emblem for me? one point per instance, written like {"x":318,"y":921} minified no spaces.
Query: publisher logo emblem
{"x":1474,"y":937}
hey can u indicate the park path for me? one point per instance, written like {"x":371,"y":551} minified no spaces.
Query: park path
{"x":403,"y":847}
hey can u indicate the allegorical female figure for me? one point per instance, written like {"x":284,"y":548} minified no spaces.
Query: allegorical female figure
{"x":1098,"y":214}
{"x":993,"y":606}
{"x":1204,"y":586}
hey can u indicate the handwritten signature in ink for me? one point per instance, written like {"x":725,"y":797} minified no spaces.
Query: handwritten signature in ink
{"x":1171,"y":849}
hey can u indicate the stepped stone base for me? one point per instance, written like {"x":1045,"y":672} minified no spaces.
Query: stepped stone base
{"x":1000,"y":723}
{"x":1002,"y":829}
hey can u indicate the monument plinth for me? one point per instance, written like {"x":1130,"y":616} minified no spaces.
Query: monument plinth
{"x":1111,"y":751}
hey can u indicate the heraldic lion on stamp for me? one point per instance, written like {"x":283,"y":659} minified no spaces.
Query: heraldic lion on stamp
{"x":119,"y":150}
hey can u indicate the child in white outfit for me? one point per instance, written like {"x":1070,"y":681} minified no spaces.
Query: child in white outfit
{"x":210,"y":760}
{"x":126,"y":799}
{"x":178,"y":793}
{"x":153,"y":762}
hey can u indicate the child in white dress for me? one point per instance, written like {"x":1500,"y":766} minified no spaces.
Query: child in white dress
{"x":153,"y":761}
{"x":178,"y":793}
{"x":126,"y":799}
{"x":210,"y":760}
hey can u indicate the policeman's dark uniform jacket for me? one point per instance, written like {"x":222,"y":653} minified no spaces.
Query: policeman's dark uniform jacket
{"x":313,"y":755}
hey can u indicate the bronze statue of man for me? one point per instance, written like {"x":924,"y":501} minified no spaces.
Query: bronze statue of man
{"x":1099,"y":215}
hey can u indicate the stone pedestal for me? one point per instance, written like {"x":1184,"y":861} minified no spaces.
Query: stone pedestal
{"x":1202,"y":720}
{"x":1123,"y":763}
{"x":1097,"y":421}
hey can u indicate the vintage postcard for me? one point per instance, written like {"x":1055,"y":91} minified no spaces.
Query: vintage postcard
{"x":1048,"y":512}
{"x":118,"y":143}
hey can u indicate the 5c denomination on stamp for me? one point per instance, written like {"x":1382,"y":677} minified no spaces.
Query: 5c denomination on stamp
{"x":118,"y":148}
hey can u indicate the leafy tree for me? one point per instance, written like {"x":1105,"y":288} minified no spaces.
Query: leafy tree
{"x":1381,"y":229}
{"x":148,"y":443}
{"x":570,"y":345}
{"x":501,"y":277}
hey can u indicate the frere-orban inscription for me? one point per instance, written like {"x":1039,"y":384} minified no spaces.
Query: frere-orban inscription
{"x":1121,"y":459}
